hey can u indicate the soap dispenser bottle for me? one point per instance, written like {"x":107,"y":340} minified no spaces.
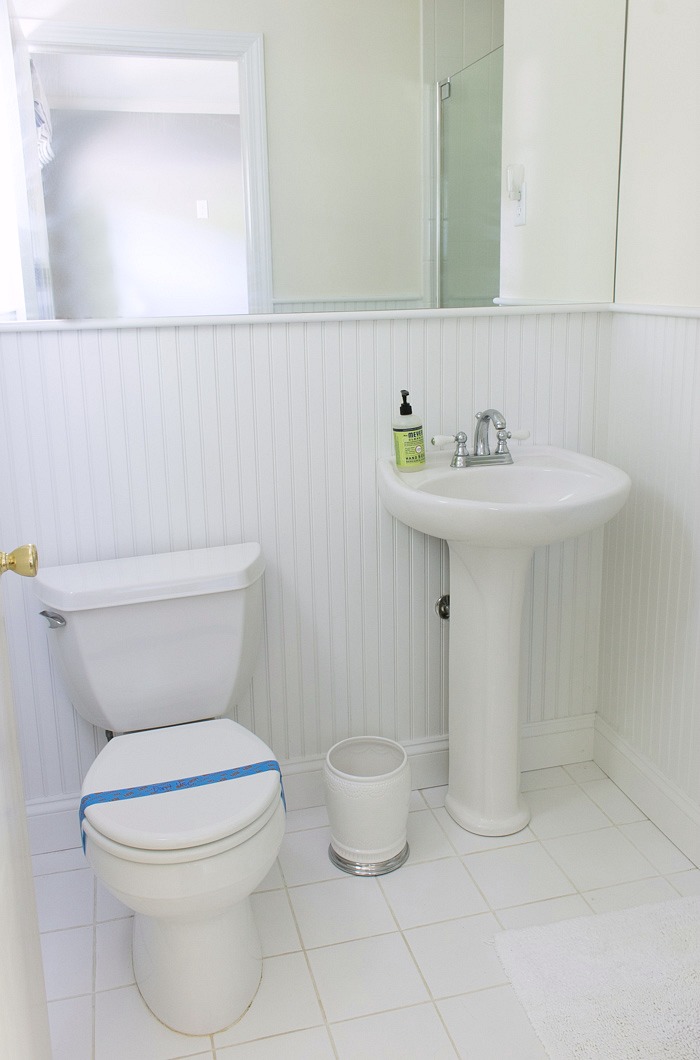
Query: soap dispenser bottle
{"x":408,"y":438}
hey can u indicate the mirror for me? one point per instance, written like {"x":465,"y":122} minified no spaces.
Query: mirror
{"x":346,"y":153}
{"x":143,"y":185}
{"x":143,"y":138}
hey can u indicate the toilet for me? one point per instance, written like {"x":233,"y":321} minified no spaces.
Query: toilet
{"x":182,"y":813}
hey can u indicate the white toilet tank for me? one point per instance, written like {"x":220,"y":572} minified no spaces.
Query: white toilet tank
{"x":156,"y":640}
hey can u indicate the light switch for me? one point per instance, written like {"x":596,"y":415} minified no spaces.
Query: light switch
{"x":521,"y":207}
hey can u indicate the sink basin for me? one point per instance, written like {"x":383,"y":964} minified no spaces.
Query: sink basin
{"x":493,"y":517}
{"x":547,"y":494}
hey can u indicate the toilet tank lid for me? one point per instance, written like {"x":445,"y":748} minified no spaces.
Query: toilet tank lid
{"x":137,"y":579}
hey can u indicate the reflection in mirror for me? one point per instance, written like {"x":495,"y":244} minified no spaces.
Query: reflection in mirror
{"x":562,"y":112}
{"x":347,"y":219}
{"x":143,"y":185}
{"x":341,"y":101}
{"x":469,"y":135}
{"x":144,"y":188}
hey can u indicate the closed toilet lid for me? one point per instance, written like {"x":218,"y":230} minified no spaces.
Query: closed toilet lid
{"x":192,"y":816}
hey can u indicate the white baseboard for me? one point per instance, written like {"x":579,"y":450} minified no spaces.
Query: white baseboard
{"x":664,"y":804}
{"x":542,"y":744}
{"x":53,"y":804}
{"x":303,"y":780}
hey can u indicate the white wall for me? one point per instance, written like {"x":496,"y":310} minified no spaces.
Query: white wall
{"x":648,"y":734}
{"x":343,"y":85}
{"x":561,"y":121}
{"x":141,"y":439}
{"x":659,"y":233}
{"x":146,"y":439}
{"x":650,"y":633}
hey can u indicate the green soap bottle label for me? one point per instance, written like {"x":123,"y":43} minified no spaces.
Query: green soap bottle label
{"x":409,"y":447}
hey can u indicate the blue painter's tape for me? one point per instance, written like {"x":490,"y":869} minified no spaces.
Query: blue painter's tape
{"x":177,"y":785}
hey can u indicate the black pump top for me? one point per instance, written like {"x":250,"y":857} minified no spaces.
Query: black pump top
{"x":404,"y":408}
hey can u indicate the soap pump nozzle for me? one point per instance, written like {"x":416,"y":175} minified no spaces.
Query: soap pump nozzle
{"x":404,"y":408}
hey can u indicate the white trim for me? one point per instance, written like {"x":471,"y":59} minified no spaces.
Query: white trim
{"x":562,"y":742}
{"x":244,"y":48}
{"x":656,"y":310}
{"x":256,"y":182}
{"x":315,"y":318}
{"x":294,"y":318}
{"x":53,"y":804}
{"x":543,"y":744}
{"x":664,"y":804}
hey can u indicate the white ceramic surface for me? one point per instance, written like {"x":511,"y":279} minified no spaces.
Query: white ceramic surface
{"x":368,"y":786}
{"x":151,"y":643}
{"x":141,"y":650}
{"x":493,"y":517}
{"x":196,"y":950}
{"x":547,"y":494}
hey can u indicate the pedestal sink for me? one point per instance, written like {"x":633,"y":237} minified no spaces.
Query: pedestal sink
{"x":493,"y":518}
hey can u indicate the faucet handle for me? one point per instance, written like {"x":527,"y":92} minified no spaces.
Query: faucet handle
{"x":502,"y":437}
{"x":461,"y":453}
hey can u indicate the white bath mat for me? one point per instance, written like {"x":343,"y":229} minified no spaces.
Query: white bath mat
{"x":620,"y":986}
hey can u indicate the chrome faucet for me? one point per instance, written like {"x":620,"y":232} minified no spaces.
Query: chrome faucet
{"x":482,"y":450}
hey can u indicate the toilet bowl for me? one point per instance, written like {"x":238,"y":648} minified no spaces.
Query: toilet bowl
{"x":181,"y":820}
{"x":186,"y":861}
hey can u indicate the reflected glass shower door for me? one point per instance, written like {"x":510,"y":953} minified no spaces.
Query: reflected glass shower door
{"x":470,"y":184}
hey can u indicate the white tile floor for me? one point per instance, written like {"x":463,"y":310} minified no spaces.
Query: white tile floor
{"x":401,"y":966}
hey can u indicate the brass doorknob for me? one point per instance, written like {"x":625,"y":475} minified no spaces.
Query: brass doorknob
{"x":23,"y":560}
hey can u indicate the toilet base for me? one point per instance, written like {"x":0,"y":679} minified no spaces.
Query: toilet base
{"x":198,"y":976}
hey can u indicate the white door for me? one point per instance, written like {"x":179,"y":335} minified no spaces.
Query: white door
{"x":24,"y":1029}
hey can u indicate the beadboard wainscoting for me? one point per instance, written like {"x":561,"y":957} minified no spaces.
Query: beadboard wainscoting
{"x":134,"y":440}
{"x":648,"y":732}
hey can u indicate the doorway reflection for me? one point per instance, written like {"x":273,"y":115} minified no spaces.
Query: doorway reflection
{"x":144,"y":195}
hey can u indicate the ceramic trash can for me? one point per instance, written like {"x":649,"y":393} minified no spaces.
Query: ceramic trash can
{"x":368,"y":785}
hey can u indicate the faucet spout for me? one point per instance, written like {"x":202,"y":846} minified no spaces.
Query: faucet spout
{"x":481,"y":432}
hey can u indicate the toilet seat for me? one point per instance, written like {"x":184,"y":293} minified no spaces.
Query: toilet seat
{"x":216,"y":815}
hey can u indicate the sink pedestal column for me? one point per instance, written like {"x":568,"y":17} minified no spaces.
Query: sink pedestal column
{"x":487,"y":587}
